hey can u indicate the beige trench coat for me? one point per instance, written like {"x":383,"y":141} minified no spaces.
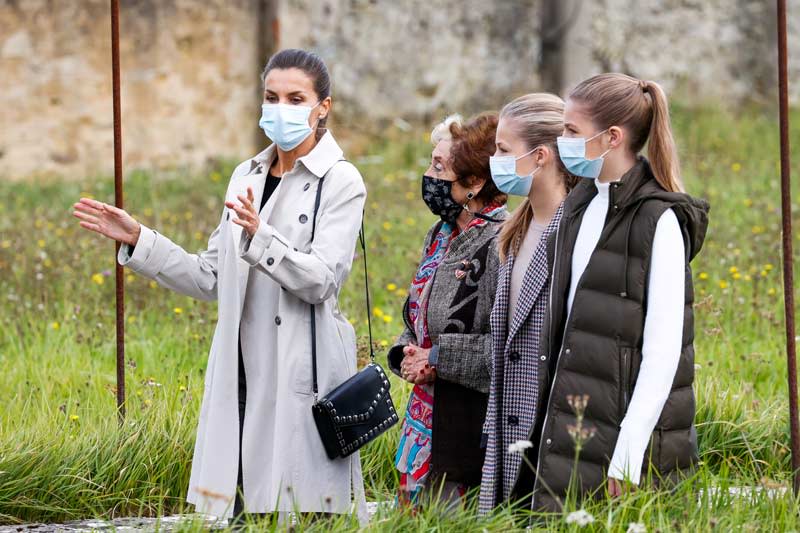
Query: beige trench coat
{"x":267,"y":284}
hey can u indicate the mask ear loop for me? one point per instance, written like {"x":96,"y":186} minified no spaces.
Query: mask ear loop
{"x":596,"y":135}
{"x":535,"y":170}
{"x":526,"y":154}
{"x":314,"y":127}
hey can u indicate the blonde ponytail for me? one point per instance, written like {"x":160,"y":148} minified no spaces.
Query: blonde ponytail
{"x":661,"y":149}
{"x":641,"y":107}
{"x":514,"y":229}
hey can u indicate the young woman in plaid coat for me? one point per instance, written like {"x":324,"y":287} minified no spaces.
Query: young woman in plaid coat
{"x":527,"y":164}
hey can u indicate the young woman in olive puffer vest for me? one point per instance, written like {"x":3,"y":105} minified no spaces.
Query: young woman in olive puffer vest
{"x":619,"y":330}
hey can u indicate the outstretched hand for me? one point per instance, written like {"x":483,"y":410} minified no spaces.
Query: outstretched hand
{"x":107,"y":220}
{"x":617,"y":488}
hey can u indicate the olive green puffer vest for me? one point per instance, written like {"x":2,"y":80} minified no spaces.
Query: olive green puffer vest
{"x":598,"y":352}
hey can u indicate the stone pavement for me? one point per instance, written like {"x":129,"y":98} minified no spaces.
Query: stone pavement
{"x":126,"y":525}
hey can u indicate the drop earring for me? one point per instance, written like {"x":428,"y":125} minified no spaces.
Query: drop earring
{"x":470,"y":196}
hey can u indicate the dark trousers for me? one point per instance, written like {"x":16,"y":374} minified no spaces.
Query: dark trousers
{"x":238,"y":505}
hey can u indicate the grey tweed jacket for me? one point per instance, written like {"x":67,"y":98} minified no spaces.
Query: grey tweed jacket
{"x":459,"y":310}
{"x":458,"y":322}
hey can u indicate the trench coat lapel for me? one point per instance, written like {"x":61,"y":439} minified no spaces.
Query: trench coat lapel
{"x":255,"y":178}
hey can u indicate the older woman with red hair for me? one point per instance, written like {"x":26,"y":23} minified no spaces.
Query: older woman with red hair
{"x":445,"y":349}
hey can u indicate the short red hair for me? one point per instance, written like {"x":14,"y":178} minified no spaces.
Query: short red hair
{"x":473,"y":145}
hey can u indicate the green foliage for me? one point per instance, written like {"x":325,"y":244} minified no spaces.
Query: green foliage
{"x":63,"y":456}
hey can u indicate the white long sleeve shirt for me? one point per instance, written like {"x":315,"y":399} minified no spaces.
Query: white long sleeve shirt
{"x":663,"y":329}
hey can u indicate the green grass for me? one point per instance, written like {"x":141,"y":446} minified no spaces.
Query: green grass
{"x":63,"y":455}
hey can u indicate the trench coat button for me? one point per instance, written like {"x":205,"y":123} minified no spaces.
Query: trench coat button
{"x":228,"y":215}
{"x":303,"y":219}
{"x":513,"y":356}
{"x":549,"y":442}
{"x":513,"y":420}
{"x":306,"y":186}
{"x":277,"y":321}
{"x":270,"y":261}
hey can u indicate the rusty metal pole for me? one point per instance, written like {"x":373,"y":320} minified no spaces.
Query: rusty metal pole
{"x":119,"y":279}
{"x":786,"y":215}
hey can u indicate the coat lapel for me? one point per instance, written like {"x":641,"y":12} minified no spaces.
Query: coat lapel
{"x":532,"y":283}
{"x":536,"y":276}
{"x":500,"y":311}
{"x":255,"y":178}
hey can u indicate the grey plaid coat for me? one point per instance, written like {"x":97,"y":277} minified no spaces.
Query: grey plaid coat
{"x":514,"y":391}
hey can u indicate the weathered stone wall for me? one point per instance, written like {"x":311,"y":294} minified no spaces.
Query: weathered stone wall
{"x":190,"y":67}
{"x":415,"y":57}
{"x":419,"y":58}
{"x":189,"y":84}
{"x":703,"y":49}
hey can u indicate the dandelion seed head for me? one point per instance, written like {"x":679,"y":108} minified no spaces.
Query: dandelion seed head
{"x":580,"y":518}
{"x":519,"y":446}
{"x":636,"y":527}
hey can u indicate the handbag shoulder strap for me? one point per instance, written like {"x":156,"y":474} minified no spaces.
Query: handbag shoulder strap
{"x":362,"y":239}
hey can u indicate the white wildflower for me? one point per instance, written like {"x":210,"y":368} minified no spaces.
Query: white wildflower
{"x":519,"y":446}
{"x":636,"y":527}
{"x":581,"y":517}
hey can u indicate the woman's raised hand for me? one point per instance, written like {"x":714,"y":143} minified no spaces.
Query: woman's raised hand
{"x":107,"y":220}
{"x":248,"y":216}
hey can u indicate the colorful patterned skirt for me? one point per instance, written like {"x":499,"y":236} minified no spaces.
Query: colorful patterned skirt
{"x":413,"y":459}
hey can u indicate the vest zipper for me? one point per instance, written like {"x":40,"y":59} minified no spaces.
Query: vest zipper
{"x":555,"y":372}
{"x":560,"y":351}
{"x":624,"y":379}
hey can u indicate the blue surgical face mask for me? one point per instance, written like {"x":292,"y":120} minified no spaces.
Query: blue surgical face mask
{"x":504,"y":174}
{"x":286,"y":125}
{"x":572,"y":151}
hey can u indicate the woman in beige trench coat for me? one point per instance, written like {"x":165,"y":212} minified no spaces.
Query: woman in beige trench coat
{"x":264,"y":271}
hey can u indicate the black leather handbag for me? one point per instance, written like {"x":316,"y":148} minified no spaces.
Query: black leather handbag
{"x":361,"y":408}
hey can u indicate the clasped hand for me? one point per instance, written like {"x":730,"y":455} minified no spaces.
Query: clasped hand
{"x":415,"y":367}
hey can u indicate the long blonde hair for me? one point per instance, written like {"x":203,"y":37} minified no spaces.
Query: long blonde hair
{"x":640,"y":106}
{"x":539,"y":120}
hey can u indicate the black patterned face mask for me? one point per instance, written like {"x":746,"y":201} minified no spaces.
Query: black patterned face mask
{"x":436,"y":194}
